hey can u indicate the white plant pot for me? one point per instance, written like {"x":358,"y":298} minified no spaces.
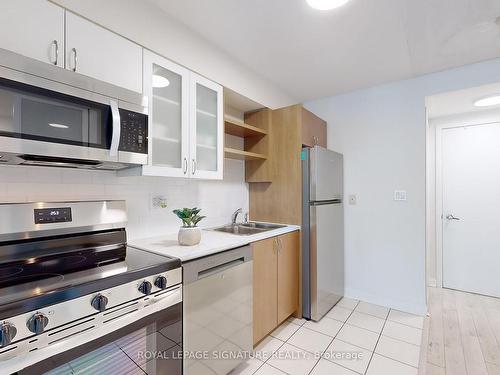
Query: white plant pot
{"x":189,"y":236}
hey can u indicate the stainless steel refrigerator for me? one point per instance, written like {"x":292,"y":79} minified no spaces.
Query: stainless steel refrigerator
{"x":322,"y":231}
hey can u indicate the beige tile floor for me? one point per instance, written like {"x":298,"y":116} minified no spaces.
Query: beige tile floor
{"x":354,"y":338}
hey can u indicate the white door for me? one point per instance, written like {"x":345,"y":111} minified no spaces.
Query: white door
{"x":33,"y":28}
{"x":101,"y":54}
{"x":471,"y":201}
{"x":167,"y":86}
{"x":206,"y":129}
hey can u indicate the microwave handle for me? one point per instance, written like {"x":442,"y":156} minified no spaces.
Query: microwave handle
{"x":116,"y":128}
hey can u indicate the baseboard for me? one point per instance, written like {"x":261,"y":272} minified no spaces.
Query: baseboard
{"x":412,"y":307}
{"x":432,"y":283}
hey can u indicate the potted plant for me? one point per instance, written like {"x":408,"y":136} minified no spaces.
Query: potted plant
{"x":189,"y":233}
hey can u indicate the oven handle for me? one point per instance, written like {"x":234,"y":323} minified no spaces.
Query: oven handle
{"x":116,"y":128}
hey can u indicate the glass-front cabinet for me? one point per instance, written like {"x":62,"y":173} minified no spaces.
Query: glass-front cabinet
{"x":206,"y":131}
{"x":185,"y":121}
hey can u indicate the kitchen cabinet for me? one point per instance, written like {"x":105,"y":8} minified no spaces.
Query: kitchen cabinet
{"x":206,"y":128}
{"x":167,"y":86}
{"x":276,"y":282}
{"x":288,"y":274}
{"x":313,"y":129}
{"x":265,"y":288}
{"x":33,"y":28}
{"x":185,"y":135}
{"x":96,"y":52}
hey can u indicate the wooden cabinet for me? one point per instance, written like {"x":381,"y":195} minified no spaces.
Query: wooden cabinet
{"x":276,"y":282}
{"x":313,"y":129}
{"x":288,"y":274}
{"x":33,"y":28}
{"x":96,"y":52}
{"x":265,"y":288}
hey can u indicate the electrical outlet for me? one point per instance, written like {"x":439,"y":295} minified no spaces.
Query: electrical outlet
{"x":400,"y":195}
{"x":353,"y":200}
{"x":158,"y":202}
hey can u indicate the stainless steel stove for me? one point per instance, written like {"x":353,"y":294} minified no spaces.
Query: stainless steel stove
{"x":75,"y":299}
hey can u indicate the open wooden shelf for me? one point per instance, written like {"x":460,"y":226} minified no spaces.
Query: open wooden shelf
{"x":232,"y":153}
{"x":241,"y":129}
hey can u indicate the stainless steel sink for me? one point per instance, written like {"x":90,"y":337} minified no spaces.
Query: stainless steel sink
{"x":247,"y":228}
{"x":264,"y":226}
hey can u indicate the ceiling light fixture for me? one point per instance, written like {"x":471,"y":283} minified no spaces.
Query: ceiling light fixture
{"x":160,"y":81}
{"x":326,"y":4}
{"x":488,"y":101}
{"x":59,"y":126}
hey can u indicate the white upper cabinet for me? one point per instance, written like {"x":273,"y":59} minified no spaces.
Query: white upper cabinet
{"x":96,"y":52}
{"x":167,"y":87}
{"x":206,"y":128}
{"x":33,"y":28}
{"x":185,"y":135}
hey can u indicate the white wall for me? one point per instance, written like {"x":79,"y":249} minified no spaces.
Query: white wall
{"x":218,"y":199}
{"x":382,"y":133}
{"x":145,"y":24}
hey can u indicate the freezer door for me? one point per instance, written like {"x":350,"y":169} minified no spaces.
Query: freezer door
{"x":326,"y":257}
{"x":327,"y":175}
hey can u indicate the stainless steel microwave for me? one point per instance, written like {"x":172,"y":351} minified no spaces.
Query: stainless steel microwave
{"x":51,"y":116}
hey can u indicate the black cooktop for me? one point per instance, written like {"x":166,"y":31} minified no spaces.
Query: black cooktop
{"x":39,"y":273}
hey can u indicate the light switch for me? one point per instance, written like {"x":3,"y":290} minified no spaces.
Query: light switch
{"x":400,"y":195}
{"x":352,"y":200}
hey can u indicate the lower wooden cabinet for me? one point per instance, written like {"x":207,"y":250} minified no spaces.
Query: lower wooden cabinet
{"x":275,"y":282}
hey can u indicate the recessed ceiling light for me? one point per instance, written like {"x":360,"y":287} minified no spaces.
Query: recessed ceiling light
{"x":489,"y":101}
{"x":160,"y":81}
{"x":326,"y":4}
{"x":59,"y":126}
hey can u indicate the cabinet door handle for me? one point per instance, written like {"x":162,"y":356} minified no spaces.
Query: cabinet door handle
{"x":75,"y":58}
{"x":185,"y":166}
{"x":275,"y":245}
{"x":280,"y":247}
{"x":194,"y":167}
{"x":56,"y":45}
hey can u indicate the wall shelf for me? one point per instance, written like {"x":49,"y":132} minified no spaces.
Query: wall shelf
{"x":232,"y":153}
{"x":243,"y":130}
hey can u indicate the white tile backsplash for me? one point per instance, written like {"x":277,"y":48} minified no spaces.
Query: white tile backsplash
{"x":217,"y":199}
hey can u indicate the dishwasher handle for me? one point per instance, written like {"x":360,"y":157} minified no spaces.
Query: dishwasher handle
{"x":204,"y":267}
{"x":220,"y":268}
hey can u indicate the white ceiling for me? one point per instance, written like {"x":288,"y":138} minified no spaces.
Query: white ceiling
{"x":460,"y":102}
{"x":312,"y":54}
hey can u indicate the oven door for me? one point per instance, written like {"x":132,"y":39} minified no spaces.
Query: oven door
{"x":151,"y":344}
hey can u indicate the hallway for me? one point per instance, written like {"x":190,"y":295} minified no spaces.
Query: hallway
{"x":462,"y":334}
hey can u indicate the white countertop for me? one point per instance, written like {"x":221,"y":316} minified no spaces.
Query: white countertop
{"x":211,"y":242}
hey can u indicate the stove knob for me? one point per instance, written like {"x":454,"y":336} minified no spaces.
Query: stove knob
{"x":145,"y":287}
{"x":161,"y":282}
{"x":99,"y":302}
{"x":7,"y":333}
{"x":37,"y":323}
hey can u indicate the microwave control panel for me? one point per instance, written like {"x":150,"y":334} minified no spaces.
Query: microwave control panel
{"x":134,"y":132}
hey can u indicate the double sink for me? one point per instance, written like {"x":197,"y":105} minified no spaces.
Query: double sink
{"x":246,"y":229}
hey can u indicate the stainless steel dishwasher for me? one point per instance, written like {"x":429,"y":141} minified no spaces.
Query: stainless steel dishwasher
{"x":218,"y":313}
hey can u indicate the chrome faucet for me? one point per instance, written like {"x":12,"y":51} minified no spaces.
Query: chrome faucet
{"x":235,"y":214}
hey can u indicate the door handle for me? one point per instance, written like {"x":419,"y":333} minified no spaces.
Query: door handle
{"x":185,"y":165}
{"x":56,"y":46}
{"x":194,"y":167}
{"x":116,"y":129}
{"x":75,"y":57}
{"x":451,"y":217}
